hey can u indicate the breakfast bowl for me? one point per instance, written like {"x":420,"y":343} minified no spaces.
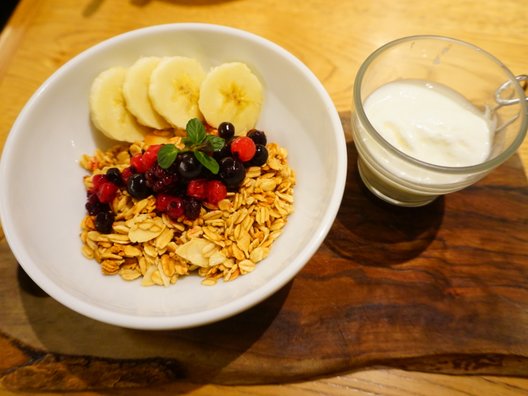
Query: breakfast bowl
{"x":42,"y":194}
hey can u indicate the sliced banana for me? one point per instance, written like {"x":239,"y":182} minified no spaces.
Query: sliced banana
{"x":231,"y":92}
{"x":174,"y":89}
{"x":135,"y":91}
{"x":108,"y":109}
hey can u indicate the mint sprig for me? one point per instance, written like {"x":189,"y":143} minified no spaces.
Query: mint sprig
{"x":207,"y":161}
{"x":195,"y":132}
{"x":216,"y":143}
{"x":196,"y":141}
{"x":167,"y":155}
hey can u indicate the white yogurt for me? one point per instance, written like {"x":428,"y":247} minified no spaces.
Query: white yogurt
{"x":430,"y":122}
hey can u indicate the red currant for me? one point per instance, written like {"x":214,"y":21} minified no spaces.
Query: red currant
{"x":170,"y":204}
{"x":197,"y":188}
{"x":107,"y":192}
{"x":126,"y":173}
{"x":150,"y":157}
{"x":175,"y":208}
{"x":137,"y":162}
{"x":99,"y":180}
{"x":162,"y":202}
{"x":244,"y":147}
{"x":216,"y":191}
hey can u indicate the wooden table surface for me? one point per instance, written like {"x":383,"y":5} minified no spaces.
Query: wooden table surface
{"x":332,"y":38}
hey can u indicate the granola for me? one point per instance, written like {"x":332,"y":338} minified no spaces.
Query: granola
{"x":226,"y":240}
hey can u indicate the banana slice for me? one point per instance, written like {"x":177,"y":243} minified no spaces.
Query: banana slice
{"x":135,"y":91}
{"x":231,"y":92}
{"x":174,"y":89}
{"x":108,"y":110}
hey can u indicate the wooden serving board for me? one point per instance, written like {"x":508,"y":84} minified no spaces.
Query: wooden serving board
{"x":443,"y":288}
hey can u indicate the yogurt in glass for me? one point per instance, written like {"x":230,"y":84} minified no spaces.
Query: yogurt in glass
{"x":430,"y":122}
{"x":426,"y":120}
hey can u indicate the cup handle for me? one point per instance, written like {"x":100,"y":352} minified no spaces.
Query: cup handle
{"x":508,"y":101}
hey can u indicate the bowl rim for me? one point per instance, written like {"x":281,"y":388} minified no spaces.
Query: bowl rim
{"x":203,"y":317}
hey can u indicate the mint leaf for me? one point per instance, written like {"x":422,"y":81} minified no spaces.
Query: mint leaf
{"x":195,"y":132}
{"x":187,"y":141}
{"x":215,"y":143}
{"x":167,"y":155}
{"x":207,"y":161}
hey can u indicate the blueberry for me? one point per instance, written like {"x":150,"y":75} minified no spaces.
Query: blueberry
{"x":188,"y":166}
{"x":232,"y":172}
{"x":260,"y":157}
{"x":259,"y":137}
{"x":226,"y":130}
{"x":223,"y":152}
{"x":137,"y":186}
{"x":191,"y":208}
{"x":114,"y":176}
{"x":206,"y":174}
{"x":104,"y":221}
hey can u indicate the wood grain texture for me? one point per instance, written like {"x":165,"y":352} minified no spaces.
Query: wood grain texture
{"x":430,"y":289}
{"x":332,"y":38}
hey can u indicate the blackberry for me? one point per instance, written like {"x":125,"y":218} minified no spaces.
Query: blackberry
{"x":94,"y":206}
{"x":160,"y":180}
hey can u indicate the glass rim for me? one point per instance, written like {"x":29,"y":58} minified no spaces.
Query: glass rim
{"x":483,"y":166}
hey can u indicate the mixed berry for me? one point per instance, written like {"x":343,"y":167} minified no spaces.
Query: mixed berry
{"x":182,"y":181}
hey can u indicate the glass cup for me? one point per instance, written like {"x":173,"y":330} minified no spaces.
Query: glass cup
{"x":479,"y":77}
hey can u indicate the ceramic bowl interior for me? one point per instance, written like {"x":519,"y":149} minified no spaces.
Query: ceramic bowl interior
{"x":42,"y":195}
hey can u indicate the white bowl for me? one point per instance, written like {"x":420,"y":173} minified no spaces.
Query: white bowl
{"x":42,"y":195}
